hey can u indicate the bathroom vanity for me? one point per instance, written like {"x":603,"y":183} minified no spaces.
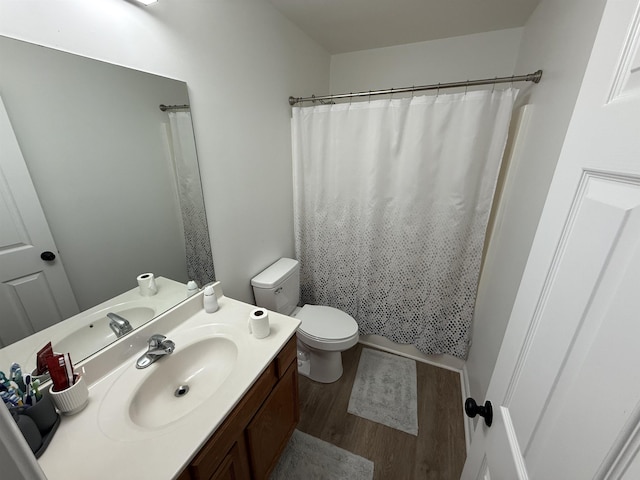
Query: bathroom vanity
{"x":234,"y":422}
{"x":257,"y":430}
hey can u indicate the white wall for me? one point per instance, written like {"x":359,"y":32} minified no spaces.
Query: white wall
{"x":557,"y":38}
{"x":482,"y":55}
{"x":92,"y":137}
{"x":241,"y":61}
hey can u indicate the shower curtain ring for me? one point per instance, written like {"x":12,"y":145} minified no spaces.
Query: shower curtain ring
{"x":350,"y":98}
{"x":438,"y":91}
{"x":466,"y":86}
{"x":493,"y":89}
{"x":369,"y":96}
{"x":413,"y":90}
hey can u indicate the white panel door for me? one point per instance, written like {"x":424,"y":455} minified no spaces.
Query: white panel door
{"x":34,"y":293}
{"x":566,"y":386}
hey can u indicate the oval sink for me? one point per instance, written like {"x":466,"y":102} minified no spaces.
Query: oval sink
{"x":96,"y":334}
{"x":149,"y":402}
{"x":182,"y":381}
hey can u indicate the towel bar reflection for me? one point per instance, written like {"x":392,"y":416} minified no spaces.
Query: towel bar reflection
{"x":164,"y":107}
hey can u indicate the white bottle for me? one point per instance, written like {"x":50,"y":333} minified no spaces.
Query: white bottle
{"x":210,"y":300}
{"x":192,"y":288}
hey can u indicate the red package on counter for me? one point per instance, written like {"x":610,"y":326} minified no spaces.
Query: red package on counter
{"x":61,"y":371}
{"x":41,"y":359}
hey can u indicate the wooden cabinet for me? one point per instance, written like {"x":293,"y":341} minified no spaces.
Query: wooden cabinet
{"x":270,"y":429}
{"x":250,"y":441}
{"x":235,"y":466}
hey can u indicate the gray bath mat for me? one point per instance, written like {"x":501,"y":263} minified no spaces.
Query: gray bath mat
{"x":385,"y":390}
{"x":310,"y":458}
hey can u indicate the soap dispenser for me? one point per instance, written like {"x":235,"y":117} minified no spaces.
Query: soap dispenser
{"x":210,"y":300}
{"x":192,"y":288}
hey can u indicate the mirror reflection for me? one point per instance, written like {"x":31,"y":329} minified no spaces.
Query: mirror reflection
{"x":98,"y":186}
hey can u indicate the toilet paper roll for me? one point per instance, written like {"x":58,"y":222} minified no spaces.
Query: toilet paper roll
{"x":259,"y":323}
{"x":147,"y":284}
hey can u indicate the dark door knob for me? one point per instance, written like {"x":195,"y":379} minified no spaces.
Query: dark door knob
{"x":48,"y":256}
{"x":471,"y":408}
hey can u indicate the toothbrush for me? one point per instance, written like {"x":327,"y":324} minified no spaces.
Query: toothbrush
{"x":36,"y":389}
{"x":11,"y":399}
{"x":16,"y":375}
{"x":13,"y":387}
{"x":6,"y":399}
{"x":28,"y":397}
{"x":15,"y":371}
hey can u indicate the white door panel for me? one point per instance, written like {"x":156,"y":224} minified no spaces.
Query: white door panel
{"x":585,"y":249}
{"x":594,"y":392}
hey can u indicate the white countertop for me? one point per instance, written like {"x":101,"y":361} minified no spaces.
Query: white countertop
{"x":81,"y":449}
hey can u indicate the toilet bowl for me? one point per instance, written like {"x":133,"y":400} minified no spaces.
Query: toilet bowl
{"x":325,"y":332}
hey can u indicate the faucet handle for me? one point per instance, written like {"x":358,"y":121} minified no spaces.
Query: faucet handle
{"x":155,"y":340}
{"x":168,"y":346}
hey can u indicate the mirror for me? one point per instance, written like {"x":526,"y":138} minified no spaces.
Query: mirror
{"x":109,"y":172}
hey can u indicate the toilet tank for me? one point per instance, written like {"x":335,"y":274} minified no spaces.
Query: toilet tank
{"x":278,"y":287}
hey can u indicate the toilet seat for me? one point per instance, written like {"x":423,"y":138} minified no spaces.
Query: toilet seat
{"x":326,"y":328}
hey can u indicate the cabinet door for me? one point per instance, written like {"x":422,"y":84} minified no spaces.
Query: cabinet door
{"x":208,"y":460}
{"x":269,"y":431}
{"x":234,"y":466}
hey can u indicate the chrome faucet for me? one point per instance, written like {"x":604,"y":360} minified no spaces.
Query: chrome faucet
{"x":119,"y":325}
{"x":159,"y":346}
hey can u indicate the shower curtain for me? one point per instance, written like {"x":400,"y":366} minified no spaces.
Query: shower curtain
{"x":392,"y":199}
{"x":196,"y":234}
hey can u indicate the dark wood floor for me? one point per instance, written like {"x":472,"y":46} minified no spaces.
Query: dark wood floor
{"x":437,"y":453}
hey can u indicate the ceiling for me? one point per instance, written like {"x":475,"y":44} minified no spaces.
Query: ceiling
{"x":350,"y":25}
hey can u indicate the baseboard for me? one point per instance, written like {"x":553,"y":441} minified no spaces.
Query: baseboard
{"x":447,"y":362}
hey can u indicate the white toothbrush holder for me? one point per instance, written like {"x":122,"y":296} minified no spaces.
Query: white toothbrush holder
{"x":73,"y":399}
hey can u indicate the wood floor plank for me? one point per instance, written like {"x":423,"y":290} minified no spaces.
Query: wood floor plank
{"x":437,"y":453}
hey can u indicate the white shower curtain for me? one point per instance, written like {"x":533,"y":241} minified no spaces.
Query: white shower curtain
{"x":196,"y":234}
{"x":392,"y":199}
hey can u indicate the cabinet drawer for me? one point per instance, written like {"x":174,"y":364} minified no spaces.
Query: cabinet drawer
{"x":288,"y":354}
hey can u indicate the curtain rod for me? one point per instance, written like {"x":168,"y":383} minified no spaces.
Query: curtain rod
{"x":164,"y":107}
{"x":531,"y":77}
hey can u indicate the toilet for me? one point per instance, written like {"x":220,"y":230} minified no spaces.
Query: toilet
{"x":325,"y":332}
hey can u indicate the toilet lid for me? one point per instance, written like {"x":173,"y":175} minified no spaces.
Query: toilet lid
{"x":326,"y":322}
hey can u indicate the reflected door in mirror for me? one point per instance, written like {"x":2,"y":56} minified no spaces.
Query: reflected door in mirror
{"x":34,"y":293}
